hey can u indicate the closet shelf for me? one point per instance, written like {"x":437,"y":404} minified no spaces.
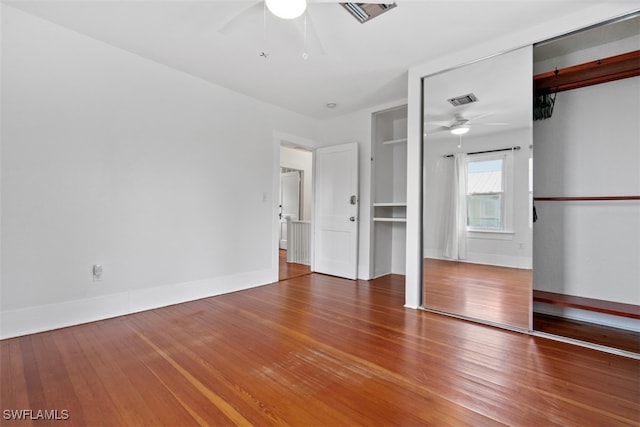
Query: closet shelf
{"x":585,"y":199}
{"x":590,"y":73}
{"x":390,"y":204}
{"x":388,"y":191}
{"x":389,"y":219}
{"x":395,"y":141}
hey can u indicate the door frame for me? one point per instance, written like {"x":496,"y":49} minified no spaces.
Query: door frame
{"x":289,"y":140}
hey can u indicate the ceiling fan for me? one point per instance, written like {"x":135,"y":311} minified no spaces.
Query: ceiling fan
{"x":460,"y":125}
{"x":274,"y":26}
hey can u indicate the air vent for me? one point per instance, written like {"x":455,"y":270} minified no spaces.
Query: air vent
{"x":365,"y":12}
{"x":463,"y":100}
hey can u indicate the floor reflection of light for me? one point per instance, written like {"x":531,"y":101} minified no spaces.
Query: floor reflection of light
{"x":487,"y":293}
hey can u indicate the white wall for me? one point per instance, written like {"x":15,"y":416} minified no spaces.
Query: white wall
{"x":590,"y":147}
{"x":530,"y":33}
{"x":111,"y":159}
{"x":301,"y":160}
{"x":508,"y":250}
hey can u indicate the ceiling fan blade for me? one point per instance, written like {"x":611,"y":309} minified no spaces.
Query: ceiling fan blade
{"x":261,"y":30}
{"x":480,"y":116}
{"x":443,"y":123}
{"x":250,"y":17}
{"x":309,"y":36}
{"x":438,"y":130}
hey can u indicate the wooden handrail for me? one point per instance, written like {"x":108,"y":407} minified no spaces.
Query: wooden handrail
{"x":585,"y":199}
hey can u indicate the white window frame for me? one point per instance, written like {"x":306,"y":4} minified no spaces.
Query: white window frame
{"x":507,"y":158}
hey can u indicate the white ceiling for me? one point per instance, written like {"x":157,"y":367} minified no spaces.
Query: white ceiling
{"x":355,"y":65}
{"x":502,"y":86}
{"x":585,"y":39}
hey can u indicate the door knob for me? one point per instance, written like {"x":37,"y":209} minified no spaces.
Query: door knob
{"x":352,"y":219}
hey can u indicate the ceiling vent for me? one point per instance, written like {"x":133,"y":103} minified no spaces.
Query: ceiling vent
{"x":463,"y":100}
{"x":365,"y":12}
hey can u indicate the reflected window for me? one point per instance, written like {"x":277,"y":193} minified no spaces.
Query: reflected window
{"x":487,"y":199}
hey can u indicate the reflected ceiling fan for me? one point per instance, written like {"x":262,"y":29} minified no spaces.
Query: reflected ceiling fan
{"x":289,"y":23}
{"x":460,"y":125}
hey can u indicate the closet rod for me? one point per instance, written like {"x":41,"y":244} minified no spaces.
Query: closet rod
{"x":585,"y":199}
{"x":488,"y":151}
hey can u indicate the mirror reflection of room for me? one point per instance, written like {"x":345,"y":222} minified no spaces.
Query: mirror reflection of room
{"x":587,"y":186}
{"x":477,"y":190}
{"x":294,"y":214}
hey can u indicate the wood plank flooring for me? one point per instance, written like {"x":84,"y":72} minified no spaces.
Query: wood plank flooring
{"x":494,"y":294}
{"x":312,"y":351}
{"x":503,"y":295}
{"x":588,"y":332}
{"x":289,"y":270}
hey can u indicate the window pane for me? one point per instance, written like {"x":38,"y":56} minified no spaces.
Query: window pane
{"x":485,"y":194}
{"x":484,"y":177}
{"x":484,"y":211}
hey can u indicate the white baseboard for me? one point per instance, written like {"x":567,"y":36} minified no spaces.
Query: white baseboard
{"x":363,"y":272}
{"x":42,"y":318}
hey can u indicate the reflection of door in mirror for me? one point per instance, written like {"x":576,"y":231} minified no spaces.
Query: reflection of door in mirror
{"x":587,"y":189}
{"x":289,"y":200}
{"x":477,"y":193}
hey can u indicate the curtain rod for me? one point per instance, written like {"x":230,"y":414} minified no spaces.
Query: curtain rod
{"x":488,"y":151}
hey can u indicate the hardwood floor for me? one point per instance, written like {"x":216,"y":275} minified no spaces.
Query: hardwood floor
{"x":290,"y":270}
{"x":503,"y":295}
{"x":311,"y":351}
{"x":495,"y":294}
{"x":589,"y":332}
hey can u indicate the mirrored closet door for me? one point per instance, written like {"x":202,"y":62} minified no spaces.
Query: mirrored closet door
{"x":586,"y":238}
{"x":477,"y":201}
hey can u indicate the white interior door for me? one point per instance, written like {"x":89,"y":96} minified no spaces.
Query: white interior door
{"x":289,"y":202}
{"x":336,"y":211}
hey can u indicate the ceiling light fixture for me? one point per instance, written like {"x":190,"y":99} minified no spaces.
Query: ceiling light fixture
{"x":287,"y":9}
{"x":459,"y":129}
{"x":332,"y":104}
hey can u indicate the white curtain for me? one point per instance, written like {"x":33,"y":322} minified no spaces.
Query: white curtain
{"x":455,"y":244}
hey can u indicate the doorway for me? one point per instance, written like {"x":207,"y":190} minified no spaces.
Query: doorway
{"x":294,"y":210}
{"x":329,"y":200}
{"x":290,"y":198}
